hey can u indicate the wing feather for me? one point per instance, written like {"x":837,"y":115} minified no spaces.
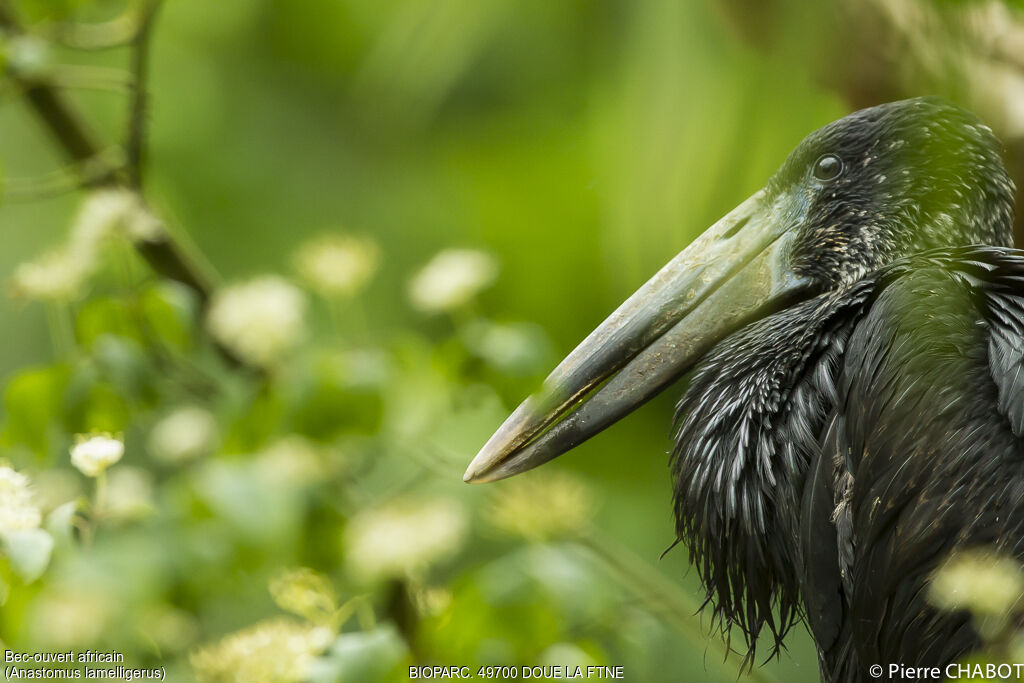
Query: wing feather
{"x":927,"y":443}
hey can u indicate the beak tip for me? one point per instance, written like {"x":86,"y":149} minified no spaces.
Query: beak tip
{"x":477,"y":471}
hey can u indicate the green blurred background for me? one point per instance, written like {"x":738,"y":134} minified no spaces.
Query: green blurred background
{"x":575,"y":144}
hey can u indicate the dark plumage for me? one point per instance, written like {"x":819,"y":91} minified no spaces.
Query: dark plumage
{"x":771,"y":400}
{"x":840,"y":449}
{"x":860,"y":423}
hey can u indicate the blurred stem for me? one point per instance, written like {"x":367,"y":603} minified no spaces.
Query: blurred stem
{"x":664,"y":599}
{"x":100,"y":504}
{"x":135,"y":146}
{"x":358,"y":605}
{"x":402,"y":612}
{"x":126,"y":272}
{"x":58,"y":316}
{"x":62,"y":180}
{"x":364,"y":613}
{"x":85,"y":529}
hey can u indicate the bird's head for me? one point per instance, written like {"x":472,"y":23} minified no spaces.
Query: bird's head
{"x":890,"y":181}
{"x":875,"y":186}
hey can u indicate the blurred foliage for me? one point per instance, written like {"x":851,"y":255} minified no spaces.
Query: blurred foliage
{"x":416,"y":207}
{"x":985,"y":587}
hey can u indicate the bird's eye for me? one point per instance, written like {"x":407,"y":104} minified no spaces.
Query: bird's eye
{"x":828,"y":167}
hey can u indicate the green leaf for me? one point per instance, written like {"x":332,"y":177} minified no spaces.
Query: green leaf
{"x":169,"y":315}
{"x":256,"y":419}
{"x":124,"y":363}
{"x":104,"y":410}
{"x":34,"y":403}
{"x":29,"y":551}
{"x":357,"y":657}
{"x":261,"y":511}
{"x":323,"y":403}
{"x":60,"y":523}
{"x":103,"y":316}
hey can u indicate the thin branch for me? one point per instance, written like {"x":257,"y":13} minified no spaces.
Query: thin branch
{"x":63,"y":180}
{"x":49,"y":105}
{"x":75,"y":138}
{"x":135,"y":147}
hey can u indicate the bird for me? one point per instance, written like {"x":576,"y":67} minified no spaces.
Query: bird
{"x":853,"y":339}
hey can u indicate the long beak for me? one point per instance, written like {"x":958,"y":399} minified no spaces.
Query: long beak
{"x":737,"y":271}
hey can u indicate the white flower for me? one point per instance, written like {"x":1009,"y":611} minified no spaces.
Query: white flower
{"x":17,"y":509}
{"x":987,"y":584}
{"x":337,"y":265}
{"x":141,"y":225}
{"x":507,"y":346}
{"x":273,"y":651}
{"x":307,"y":593}
{"x":92,"y":455}
{"x":57,"y":275}
{"x":109,"y":213}
{"x":403,"y":538}
{"x":451,"y":279}
{"x":291,"y":460}
{"x":259,"y":320}
{"x":183,"y":435}
{"x":431,"y":602}
{"x":60,"y":274}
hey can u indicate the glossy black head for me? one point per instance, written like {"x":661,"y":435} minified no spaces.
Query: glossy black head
{"x":890,"y":181}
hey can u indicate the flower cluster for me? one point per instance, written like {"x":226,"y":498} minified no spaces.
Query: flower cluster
{"x":92,"y":455}
{"x":981,"y":581}
{"x":57,"y":275}
{"x":273,"y":651}
{"x":404,"y":538}
{"x":61,"y":273}
{"x":17,"y":509}
{"x":260,"y":320}
{"x":113,"y":213}
{"x":452,"y":279}
{"x":291,"y":460}
{"x":306,"y":593}
{"x":183,"y":435}
{"x":337,"y":265}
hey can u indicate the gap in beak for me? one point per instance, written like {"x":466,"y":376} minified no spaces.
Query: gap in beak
{"x":736,"y":227}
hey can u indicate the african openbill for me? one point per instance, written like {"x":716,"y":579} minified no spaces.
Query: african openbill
{"x":855,"y":412}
